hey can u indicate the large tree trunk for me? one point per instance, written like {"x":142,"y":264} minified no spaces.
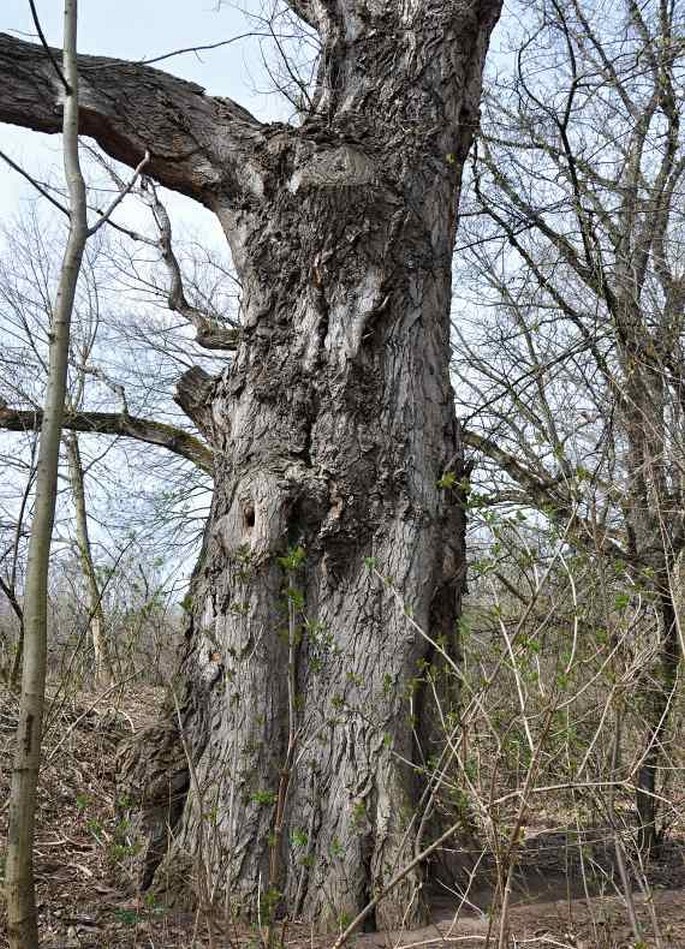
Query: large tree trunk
{"x":338,"y":423}
{"x":334,"y":535}
{"x":655,"y":547}
{"x":333,"y":430}
{"x":658,"y":698}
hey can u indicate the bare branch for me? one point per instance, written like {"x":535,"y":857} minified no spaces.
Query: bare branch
{"x":199,"y":145}
{"x":199,"y":49}
{"x":41,"y":36}
{"x":210,"y":333}
{"x":120,"y":197}
{"x":40,"y":188}
{"x":113,"y":423}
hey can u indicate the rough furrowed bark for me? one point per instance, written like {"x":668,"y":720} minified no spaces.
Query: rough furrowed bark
{"x":333,"y":431}
{"x":351,"y":478}
{"x":658,"y":698}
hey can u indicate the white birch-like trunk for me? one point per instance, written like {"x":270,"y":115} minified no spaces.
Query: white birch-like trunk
{"x":21,"y":903}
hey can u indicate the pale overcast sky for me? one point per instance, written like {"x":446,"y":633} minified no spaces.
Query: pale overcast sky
{"x":141,"y":29}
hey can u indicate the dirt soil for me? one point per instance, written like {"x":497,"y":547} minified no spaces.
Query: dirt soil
{"x":87,"y":899}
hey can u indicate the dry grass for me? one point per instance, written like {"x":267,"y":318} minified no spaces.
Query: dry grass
{"x":87,"y":900}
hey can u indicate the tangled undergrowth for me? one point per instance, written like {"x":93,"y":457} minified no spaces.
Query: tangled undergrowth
{"x":88,"y":899}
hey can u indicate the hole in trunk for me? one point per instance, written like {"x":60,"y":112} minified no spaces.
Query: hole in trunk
{"x":249,"y":515}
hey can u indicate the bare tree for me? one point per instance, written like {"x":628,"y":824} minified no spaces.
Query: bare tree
{"x":332,"y":432}
{"x":26,"y":284}
{"x":102,"y":404}
{"x":14,"y":517}
{"x":21,"y":901}
{"x":576,"y":241}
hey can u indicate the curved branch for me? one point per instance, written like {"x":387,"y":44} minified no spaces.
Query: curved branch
{"x":209,"y":333}
{"x":114,"y":423}
{"x":199,"y":145}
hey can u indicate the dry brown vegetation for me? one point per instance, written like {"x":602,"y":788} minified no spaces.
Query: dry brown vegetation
{"x":566,"y":890}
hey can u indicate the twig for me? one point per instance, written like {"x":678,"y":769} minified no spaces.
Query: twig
{"x":36,"y":184}
{"x":200,"y":49}
{"x":122,"y":194}
{"x":399,"y":876}
{"x":48,"y":50}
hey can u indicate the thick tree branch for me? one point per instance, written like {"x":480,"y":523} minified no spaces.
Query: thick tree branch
{"x":194,"y":392}
{"x":199,"y":145}
{"x":113,"y":423}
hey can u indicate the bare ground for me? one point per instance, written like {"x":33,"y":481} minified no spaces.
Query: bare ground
{"x":87,"y":899}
